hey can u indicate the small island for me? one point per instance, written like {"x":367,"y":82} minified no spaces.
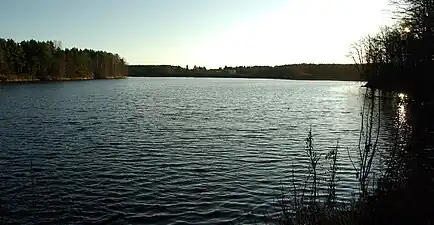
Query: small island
{"x":33,"y":60}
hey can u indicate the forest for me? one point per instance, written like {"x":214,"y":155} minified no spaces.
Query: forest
{"x":347,"y":72}
{"x":400,"y":57}
{"x":46,"y":60}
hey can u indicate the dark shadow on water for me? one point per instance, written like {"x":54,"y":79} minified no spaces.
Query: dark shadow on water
{"x":402,"y":192}
{"x":405,"y":192}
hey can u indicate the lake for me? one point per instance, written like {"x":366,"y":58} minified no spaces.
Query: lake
{"x":166,"y":150}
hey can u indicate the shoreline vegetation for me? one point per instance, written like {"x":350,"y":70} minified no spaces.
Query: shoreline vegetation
{"x":41,"y":61}
{"x":394,"y":180}
{"x":35,"y":80}
{"x":399,"y":60}
{"x":341,"y":72}
{"x":44,"y":61}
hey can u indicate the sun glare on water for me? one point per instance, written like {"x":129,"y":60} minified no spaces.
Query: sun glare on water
{"x":402,"y":111}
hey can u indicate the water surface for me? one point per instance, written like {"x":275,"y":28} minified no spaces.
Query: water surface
{"x":165,"y":150}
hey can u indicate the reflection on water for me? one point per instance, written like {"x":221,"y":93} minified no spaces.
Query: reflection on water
{"x":409,"y":161}
{"x":402,"y":96}
{"x":402,"y":113}
{"x":402,"y":124}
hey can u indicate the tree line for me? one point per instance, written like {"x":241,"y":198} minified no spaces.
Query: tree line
{"x":47,"y":60}
{"x":400,"y":57}
{"x":295,"y":71}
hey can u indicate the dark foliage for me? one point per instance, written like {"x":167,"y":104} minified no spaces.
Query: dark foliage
{"x":299,"y":72}
{"x":46,"y":60}
{"x":401,"y":57}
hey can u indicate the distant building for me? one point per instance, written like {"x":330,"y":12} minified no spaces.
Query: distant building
{"x":230,"y":71}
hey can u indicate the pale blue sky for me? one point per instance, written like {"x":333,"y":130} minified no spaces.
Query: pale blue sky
{"x":209,"y":33}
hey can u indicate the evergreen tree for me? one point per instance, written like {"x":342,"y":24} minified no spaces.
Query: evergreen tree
{"x":46,"y":60}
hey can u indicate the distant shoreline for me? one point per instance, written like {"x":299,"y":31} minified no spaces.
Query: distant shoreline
{"x":338,"y":72}
{"x":241,"y":76}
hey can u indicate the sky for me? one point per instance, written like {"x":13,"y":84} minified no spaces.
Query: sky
{"x":211,"y":33}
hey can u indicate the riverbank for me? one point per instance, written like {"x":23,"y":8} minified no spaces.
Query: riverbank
{"x":35,"y":80}
{"x":420,"y":92}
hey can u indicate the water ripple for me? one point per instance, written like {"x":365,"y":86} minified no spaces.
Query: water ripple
{"x":165,"y":151}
